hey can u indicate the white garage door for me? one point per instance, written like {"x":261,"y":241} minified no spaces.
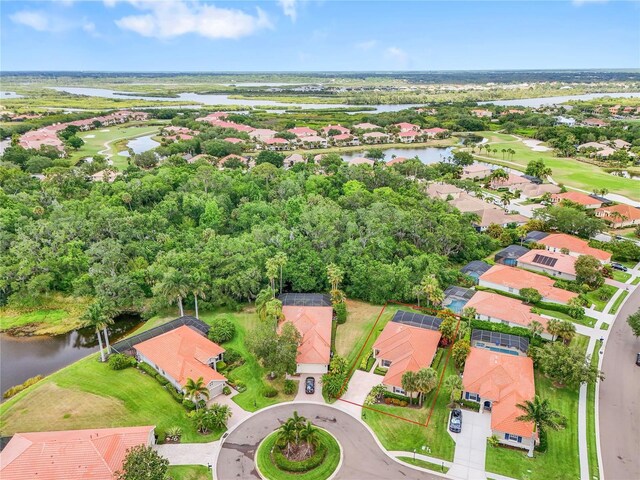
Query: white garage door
{"x":312,"y":368}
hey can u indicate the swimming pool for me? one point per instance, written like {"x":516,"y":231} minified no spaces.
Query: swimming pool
{"x":502,"y":350}
{"x":456,"y":305}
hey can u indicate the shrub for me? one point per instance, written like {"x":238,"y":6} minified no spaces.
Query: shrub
{"x":174,"y":393}
{"x":341,"y":312}
{"x":494,"y":441}
{"x":232,"y":356}
{"x":26,"y":384}
{"x":221,"y":366}
{"x":475,"y":406}
{"x":269,"y":392}
{"x":173,"y":434}
{"x":396,"y":396}
{"x":289,"y":387}
{"x":161,"y":380}
{"x":380,"y":371}
{"x":118,"y":361}
{"x":240,"y":386}
{"x":222,"y":330}
{"x":310,"y":463}
{"x":188,"y":404}
{"x":226,"y":390}
{"x":543,"y":445}
{"x":146,"y":368}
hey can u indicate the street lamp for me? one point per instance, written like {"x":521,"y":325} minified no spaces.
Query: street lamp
{"x":414,"y":454}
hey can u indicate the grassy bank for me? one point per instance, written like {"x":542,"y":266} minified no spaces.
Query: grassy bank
{"x":561,"y":460}
{"x":47,"y":315}
{"x":592,"y":448}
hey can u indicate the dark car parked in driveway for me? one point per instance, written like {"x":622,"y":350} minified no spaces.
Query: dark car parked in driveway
{"x":310,"y":385}
{"x":455,"y":422}
{"x":618,"y":266}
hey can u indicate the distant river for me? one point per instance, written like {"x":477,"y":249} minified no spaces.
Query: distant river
{"x":542,"y":101}
{"x":426,"y":155}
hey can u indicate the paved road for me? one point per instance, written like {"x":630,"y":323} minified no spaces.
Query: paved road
{"x":620,"y":399}
{"x":363,"y":459}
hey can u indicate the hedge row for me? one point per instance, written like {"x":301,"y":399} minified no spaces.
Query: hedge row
{"x":475,"y":406}
{"x":404,"y":398}
{"x":380,"y":371}
{"x":310,"y":463}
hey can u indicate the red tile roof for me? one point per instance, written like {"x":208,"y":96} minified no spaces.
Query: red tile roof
{"x":70,"y":455}
{"x":183,"y":353}
{"x":574,"y":245}
{"x":576,"y":197}
{"x":506,"y":380}
{"x":314,"y":324}
{"x":564,"y":263}
{"x":627,"y":211}
{"x":504,"y":308}
{"x":302,"y":131}
{"x":407,"y":348}
{"x":339,"y":128}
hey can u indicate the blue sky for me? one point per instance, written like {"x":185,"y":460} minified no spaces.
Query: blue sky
{"x":298,"y":35}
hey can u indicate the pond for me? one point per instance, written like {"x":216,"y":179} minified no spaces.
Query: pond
{"x":625,"y":174}
{"x":140,"y":144}
{"x":4,"y":94}
{"x":539,"y":102}
{"x":426,"y":155}
{"x":25,"y":357}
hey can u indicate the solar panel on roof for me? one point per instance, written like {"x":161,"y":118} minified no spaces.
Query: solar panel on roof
{"x":544,"y":260}
{"x":417,"y":320}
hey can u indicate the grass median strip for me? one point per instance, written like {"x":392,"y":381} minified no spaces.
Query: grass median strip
{"x":616,"y":305}
{"x":424,"y":464}
{"x":592,"y":446}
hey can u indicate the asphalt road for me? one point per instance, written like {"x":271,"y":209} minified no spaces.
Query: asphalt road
{"x":363,"y":459}
{"x":620,"y":399}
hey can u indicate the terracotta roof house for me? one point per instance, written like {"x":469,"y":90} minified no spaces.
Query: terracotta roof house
{"x":105,"y":176}
{"x":233,"y":140}
{"x":494,"y":215}
{"x":238,"y":127}
{"x":556,"y":242}
{"x":443,"y":190}
{"x":313,"y":141}
{"x":366,"y":126}
{"x":500,"y":309}
{"x":178,"y":137}
{"x":344,"y":139}
{"x":621,"y":215}
{"x":360,"y":161}
{"x":407,"y":127}
{"x":375,"y":137}
{"x":174,"y":130}
{"x":409,"y":136}
{"x":513,"y":181}
{"x":292,"y":159}
{"x":302,"y":132}
{"x":233,"y":156}
{"x":404,"y":348}
{"x":276,"y":143}
{"x":482,"y":113}
{"x":577,"y":197}
{"x":511,"y":280}
{"x":594,"y":122}
{"x":476,"y":171}
{"x":396,"y":160}
{"x":95,"y":454}
{"x":338,"y":128}
{"x":435,"y":132}
{"x":620,"y":144}
{"x":499,"y":382}
{"x":213,"y":117}
{"x":201,"y":156}
{"x":183,"y":353}
{"x":535,"y":190}
{"x":262,"y":134}
{"x":314,"y":325}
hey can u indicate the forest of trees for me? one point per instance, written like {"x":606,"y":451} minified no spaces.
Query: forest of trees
{"x":182,"y":230}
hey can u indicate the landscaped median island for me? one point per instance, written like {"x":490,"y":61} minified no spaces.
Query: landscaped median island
{"x":298,"y":449}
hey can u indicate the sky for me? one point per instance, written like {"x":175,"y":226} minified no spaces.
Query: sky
{"x":317,"y":35}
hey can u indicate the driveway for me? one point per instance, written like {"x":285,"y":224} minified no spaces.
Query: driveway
{"x":238,"y":415}
{"x":363,"y":458}
{"x":302,"y":395}
{"x":360,"y":385}
{"x":471,"y":446}
{"x":619,"y":408}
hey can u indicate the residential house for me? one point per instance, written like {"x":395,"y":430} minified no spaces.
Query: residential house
{"x":595,"y":149}
{"x":366,"y":126}
{"x":620,"y":144}
{"x":223,"y":161}
{"x":476,"y":171}
{"x":443,"y":191}
{"x":234,"y":140}
{"x":436,"y":132}
{"x":375,"y":137}
{"x":487,"y":214}
{"x":407,"y":127}
{"x":312,"y":315}
{"x":301,"y":132}
{"x":499,"y":382}
{"x":410,"y":136}
{"x":621,"y":215}
{"x":594,"y":122}
{"x":512,"y":280}
{"x":292,"y":159}
{"x":181,"y":354}
{"x":338,"y":128}
{"x":106,"y":175}
{"x":276,"y":144}
{"x":580,"y":198}
{"x":481,"y":113}
{"x":551,"y":263}
{"x":396,"y":160}
{"x":510,"y":255}
{"x":497,"y":308}
{"x":475,"y":269}
{"x":515,"y":182}
{"x":402,"y":348}
{"x":536,"y":190}
{"x":213,"y":117}
{"x":344,"y":139}
{"x":564,"y":243}
{"x":361,"y":161}
{"x":262,"y":134}
{"x":92,"y":454}
{"x":313,"y":141}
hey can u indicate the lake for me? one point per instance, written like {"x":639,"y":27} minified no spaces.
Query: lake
{"x":25,"y":357}
{"x":426,"y":155}
{"x":539,"y":102}
{"x":4,"y":94}
{"x":140,"y":144}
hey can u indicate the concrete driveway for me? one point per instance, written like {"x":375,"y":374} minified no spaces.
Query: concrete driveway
{"x":238,"y":415}
{"x":302,"y":395}
{"x":471,"y":446}
{"x":359,"y":387}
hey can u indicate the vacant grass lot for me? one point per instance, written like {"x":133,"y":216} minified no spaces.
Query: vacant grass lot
{"x":189,"y":472}
{"x":568,"y":171}
{"x":561,"y":460}
{"x":396,"y":434}
{"x":50,"y":315}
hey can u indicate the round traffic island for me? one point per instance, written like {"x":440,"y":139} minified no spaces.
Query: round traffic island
{"x":279,"y":459}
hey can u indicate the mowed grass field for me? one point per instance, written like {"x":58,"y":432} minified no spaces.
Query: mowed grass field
{"x":568,"y":171}
{"x":189,"y":472}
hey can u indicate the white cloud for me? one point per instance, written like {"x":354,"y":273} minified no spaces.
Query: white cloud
{"x":289,"y":8}
{"x":174,"y":18}
{"x":35,"y":19}
{"x":579,"y":3}
{"x":397,"y":55}
{"x":366,"y":45}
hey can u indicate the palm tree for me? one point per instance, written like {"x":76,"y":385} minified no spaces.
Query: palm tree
{"x":287,"y":435}
{"x":173,"y":287}
{"x":453,"y":383}
{"x":506,"y":198}
{"x":430,"y":288}
{"x":409,"y":383}
{"x":553,"y":327}
{"x":535,"y":327}
{"x":426,"y":380}
{"x":335,"y":275}
{"x":263,"y":298}
{"x":281,"y":260}
{"x":198,"y":287}
{"x":96,"y":316}
{"x":540,"y":413}
{"x":309,"y":435}
{"x":194,"y":389}
{"x":566,"y":331}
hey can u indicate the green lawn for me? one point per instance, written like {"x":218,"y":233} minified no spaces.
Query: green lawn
{"x":88,"y":394}
{"x":594,"y":471}
{"x":601,"y":296}
{"x":424,"y":464}
{"x":251,"y":373}
{"x":189,"y":472}
{"x":561,"y":460}
{"x":395,"y":434}
{"x":49,"y":315}
{"x":604,"y":326}
{"x":586,"y":320}
{"x":636,"y":281}
{"x":621,"y":276}
{"x":616,"y":305}
{"x":568,"y":171}
{"x":580,"y":341}
{"x":321,"y":472}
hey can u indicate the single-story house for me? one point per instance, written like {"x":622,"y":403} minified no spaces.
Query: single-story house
{"x":107,"y":175}
{"x":583,"y":199}
{"x":510,"y":255}
{"x":181,"y":354}
{"x":366,"y":126}
{"x":594,"y":122}
{"x":620,"y":144}
{"x":562,"y":242}
{"x":513,"y":181}
{"x":223,"y":161}
{"x":535,"y":190}
{"x":443,"y":191}
{"x":511,"y":280}
{"x":402,"y":348}
{"x":620,"y":215}
{"x":482,"y":113}
{"x":407,"y":127}
{"x":92,"y":454}
{"x":476,"y":171}
{"x":337,"y":128}
{"x":509,"y":311}
{"x":301,"y":132}
{"x":262,"y":134}
{"x":292,"y":159}
{"x":344,"y":139}
{"x":487,"y":213}
{"x":375,"y":137}
{"x":313,"y":141}
{"x":396,"y":160}
{"x":409,"y":136}
{"x":276,"y":144}
{"x":475,"y":268}
{"x":551,"y":263}
{"x":360,"y":161}
{"x":436,"y":132}
{"x":499,"y":382}
{"x":313,"y":321}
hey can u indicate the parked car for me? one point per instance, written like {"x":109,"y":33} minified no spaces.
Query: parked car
{"x":455,"y":422}
{"x":310,"y":385}
{"x":638,"y":359}
{"x":618,"y":266}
